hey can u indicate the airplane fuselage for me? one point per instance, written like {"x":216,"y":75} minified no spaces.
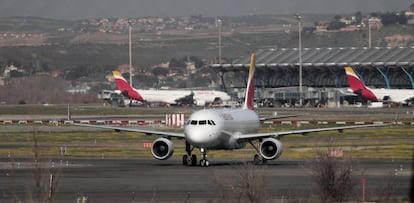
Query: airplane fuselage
{"x":393,"y":95}
{"x":219,"y":128}
{"x":171,"y":96}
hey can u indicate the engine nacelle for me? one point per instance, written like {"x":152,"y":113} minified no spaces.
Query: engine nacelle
{"x":162,"y":148}
{"x":200,"y":102}
{"x":271,"y":148}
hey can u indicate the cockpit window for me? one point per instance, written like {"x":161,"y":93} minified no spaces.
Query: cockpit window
{"x":200,"y":122}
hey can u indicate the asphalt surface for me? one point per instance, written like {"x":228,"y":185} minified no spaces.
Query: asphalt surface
{"x":149,"y":180}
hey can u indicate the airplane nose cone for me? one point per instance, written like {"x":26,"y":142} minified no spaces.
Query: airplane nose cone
{"x":200,"y":138}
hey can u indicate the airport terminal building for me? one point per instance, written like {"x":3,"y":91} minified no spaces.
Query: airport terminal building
{"x":323,"y":75}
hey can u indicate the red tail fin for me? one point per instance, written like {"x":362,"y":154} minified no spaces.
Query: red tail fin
{"x":125,"y":88}
{"x":354,"y":82}
{"x":248,"y":101}
{"x":357,"y":86}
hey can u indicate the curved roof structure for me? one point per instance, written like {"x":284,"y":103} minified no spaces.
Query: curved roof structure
{"x":323,"y":67}
{"x":340,"y":56}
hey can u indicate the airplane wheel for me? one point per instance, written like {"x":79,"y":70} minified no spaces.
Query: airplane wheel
{"x":204,"y":163}
{"x":185,"y":157}
{"x":257,"y":160}
{"x":193,"y":160}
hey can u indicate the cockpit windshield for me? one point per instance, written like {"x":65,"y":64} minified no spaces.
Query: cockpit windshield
{"x":201,"y":122}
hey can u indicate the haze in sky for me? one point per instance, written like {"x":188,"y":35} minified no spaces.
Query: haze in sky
{"x":82,"y":9}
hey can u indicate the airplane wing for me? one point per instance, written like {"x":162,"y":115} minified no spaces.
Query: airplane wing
{"x":278,"y":117}
{"x":304,"y":131}
{"x":138,"y":130}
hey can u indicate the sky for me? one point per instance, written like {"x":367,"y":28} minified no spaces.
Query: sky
{"x":83,"y":9}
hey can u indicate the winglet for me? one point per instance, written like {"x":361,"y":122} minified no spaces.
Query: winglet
{"x":125,"y":88}
{"x":248,"y":101}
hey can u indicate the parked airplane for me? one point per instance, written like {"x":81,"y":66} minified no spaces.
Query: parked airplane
{"x":198,"y":97}
{"x":376,"y":94}
{"x":224,"y":129}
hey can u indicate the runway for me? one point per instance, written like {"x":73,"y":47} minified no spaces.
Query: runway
{"x":145,"y":180}
{"x":150,"y":180}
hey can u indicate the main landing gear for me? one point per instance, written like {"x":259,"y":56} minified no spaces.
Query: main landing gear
{"x":190,"y":159}
{"x":258,"y":159}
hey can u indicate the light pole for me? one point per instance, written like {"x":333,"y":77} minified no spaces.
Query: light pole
{"x":219,"y":24}
{"x":130,"y":53}
{"x":369,"y":32}
{"x":299,"y":18}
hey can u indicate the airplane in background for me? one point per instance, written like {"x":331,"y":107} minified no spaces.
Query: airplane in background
{"x":198,"y":97}
{"x":224,"y":129}
{"x":376,"y":94}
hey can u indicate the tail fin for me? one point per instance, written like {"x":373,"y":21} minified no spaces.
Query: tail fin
{"x":354,"y":82}
{"x":125,"y":88}
{"x":248,"y":101}
{"x":357,"y":86}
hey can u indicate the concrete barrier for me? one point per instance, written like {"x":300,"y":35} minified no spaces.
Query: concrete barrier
{"x":22,"y":122}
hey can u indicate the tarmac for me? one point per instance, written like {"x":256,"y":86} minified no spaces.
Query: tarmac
{"x":150,"y":180}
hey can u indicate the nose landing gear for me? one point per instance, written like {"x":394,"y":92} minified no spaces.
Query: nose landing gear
{"x":204,"y":162}
{"x":190,"y":159}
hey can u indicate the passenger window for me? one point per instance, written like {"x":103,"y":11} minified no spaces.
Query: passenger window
{"x":202,"y":122}
{"x":193,"y":122}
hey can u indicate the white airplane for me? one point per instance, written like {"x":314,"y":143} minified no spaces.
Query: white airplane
{"x":376,"y":94}
{"x":200,"y":97}
{"x":224,"y":129}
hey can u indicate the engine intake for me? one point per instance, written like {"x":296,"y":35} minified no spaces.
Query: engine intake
{"x":162,"y":148}
{"x":271,"y":148}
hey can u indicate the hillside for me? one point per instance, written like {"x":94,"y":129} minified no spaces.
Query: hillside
{"x":87,"y":51}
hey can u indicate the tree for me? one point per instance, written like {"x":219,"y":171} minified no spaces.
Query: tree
{"x":159,"y":71}
{"x":16,"y":74}
{"x":358,"y":17}
{"x":245,"y":185}
{"x":393,"y":18}
{"x":337,"y":17}
{"x":176,"y":63}
{"x":335,"y":25}
{"x":334,"y":177}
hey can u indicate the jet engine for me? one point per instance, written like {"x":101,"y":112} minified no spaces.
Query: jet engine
{"x":200,"y":102}
{"x":162,"y":148}
{"x":270,"y":148}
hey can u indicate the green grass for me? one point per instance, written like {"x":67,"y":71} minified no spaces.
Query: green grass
{"x":81,"y":110}
{"x":395,"y":142}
